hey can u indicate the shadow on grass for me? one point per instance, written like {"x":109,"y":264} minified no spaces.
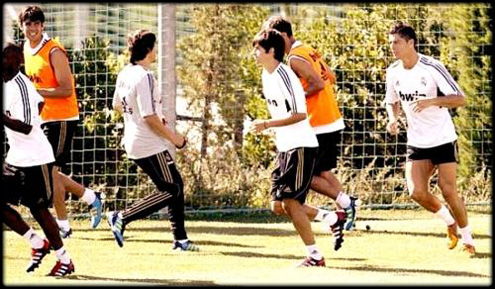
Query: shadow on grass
{"x":257,"y":231}
{"x":279,"y":256}
{"x":420,"y":271}
{"x":130,"y":239}
{"x":197,"y":242}
{"x":170,"y":282}
{"x":239,"y":231}
{"x":479,"y":255}
{"x":417,"y":234}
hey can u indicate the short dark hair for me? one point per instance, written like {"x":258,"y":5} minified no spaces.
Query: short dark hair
{"x":141,"y":42}
{"x":278,"y":23}
{"x":31,"y":13}
{"x":13,"y":58}
{"x":271,"y":38}
{"x":405,"y":31}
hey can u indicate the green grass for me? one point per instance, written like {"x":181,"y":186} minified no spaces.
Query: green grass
{"x":405,"y":247}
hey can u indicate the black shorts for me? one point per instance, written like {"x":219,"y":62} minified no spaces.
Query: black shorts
{"x":328,"y":151}
{"x":60,"y":134}
{"x":29,"y":186}
{"x":292,"y":176}
{"x":446,"y":153}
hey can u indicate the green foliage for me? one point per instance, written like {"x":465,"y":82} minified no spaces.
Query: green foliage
{"x":466,"y":56}
{"x":225,"y":182}
{"x":18,"y":34}
{"x":218,"y":71}
{"x":221,"y":83}
{"x":357,"y":49}
{"x":355,"y":45}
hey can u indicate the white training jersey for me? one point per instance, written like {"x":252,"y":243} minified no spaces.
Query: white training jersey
{"x":20,"y":102}
{"x":432,"y":126}
{"x":284,"y":95}
{"x":137,"y":91}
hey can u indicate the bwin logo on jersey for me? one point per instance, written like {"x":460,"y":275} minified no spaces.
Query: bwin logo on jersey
{"x":410,"y":96}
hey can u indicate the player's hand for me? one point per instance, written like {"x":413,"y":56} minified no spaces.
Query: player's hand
{"x":393,"y":127}
{"x":420,"y":104}
{"x":182,"y":144}
{"x":258,"y":125}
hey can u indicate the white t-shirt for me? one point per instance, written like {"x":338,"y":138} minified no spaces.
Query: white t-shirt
{"x":284,"y":95}
{"x":20,"y":102}
{"x":432,"y":126}
{"x":137,"y":91}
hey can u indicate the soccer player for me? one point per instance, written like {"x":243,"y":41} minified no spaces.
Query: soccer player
{"x":47,"y":65}
{"x":323,"y":113}
{"x":145,"y":141}
{"x":295,"y":140}
{"x":27,"y":175}
{"x":426,"y":91}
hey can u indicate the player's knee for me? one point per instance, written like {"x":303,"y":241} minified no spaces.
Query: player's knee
{"x":448,"y":189}
{"x":450,"y":194}
{"x":170,"y":188}
{"x":276,"y":208}
{"x":417,"y":194}
{"x":36,"y":207}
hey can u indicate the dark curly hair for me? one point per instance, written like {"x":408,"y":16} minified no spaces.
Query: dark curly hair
{"x":141,"y":42}
{"x":13,"y":58}
{"x":271,"y":38}
{"x":405,"y":31}
{"x":31,"y":13}
{"x":278,"y":23}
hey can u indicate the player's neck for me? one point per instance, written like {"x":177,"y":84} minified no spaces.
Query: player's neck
{"x":35,"y":42}
{"x":292,"y":41}
{"x":410,"y":61}
{"x":271,"y":65}
{"x":144,"y":63}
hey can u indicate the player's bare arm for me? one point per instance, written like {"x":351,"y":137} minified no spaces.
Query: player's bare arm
{"x":118,"y":107}
{"x":156,"y":124}
{"x":16,"y":125}
{"x":260,"y":125}
{"x":61,"y":67}
{"x":393,"y":111}
{"x":304,"y":70}
{"x":449,"y":101}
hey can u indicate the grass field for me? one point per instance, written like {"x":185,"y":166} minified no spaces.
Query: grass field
{"x":404,"y":247}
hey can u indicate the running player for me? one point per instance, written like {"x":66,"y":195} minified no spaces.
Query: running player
{"x":323,"y":113}
{"x":47,"y":65}
{"x":145,"y":141}
{"x":426,"y":90}
{"x":296,"y":143}
{"x":27,"y":175}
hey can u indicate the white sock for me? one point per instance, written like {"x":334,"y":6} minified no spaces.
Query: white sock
{"x":313,"y":252}
{"x":63,"y":224}
{"x":326,"y":216}
{"x":88,"y":196}
{"x":33,"y":238}
{"x":63,"y":255}
{"x":466,"y":235}
{"x":343,"y":200}
{"x":182,"y":241}
{"x":445,"y":215}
